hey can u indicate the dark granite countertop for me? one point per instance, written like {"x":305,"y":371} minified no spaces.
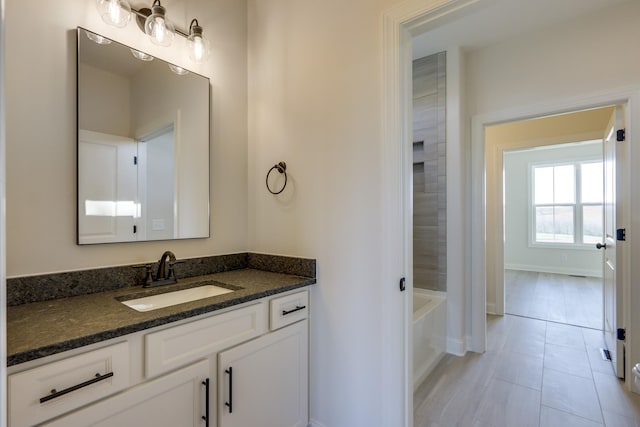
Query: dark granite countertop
{"x":44,"y":328}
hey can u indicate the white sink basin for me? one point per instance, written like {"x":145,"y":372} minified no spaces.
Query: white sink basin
{"x":168,"y":299}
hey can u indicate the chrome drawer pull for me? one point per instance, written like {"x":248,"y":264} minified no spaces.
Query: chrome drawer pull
{"x":298,"y":308}
{"x":55,"y":393}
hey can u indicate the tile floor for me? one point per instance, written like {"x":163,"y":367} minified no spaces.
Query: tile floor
{"x":554,"y":297}
{"x":535,"y":373}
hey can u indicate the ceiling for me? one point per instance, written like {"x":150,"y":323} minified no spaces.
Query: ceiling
{"x":494,"y":20}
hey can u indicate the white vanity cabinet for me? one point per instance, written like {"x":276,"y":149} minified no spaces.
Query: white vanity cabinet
{"x":174,"y":375}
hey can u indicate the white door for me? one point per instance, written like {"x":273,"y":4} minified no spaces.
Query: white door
{"x":107,"y":188}
{"x":612,"y":276}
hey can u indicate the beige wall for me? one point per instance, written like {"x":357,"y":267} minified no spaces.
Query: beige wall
{"x":315,"y":73}
{"x":41,"y":132}
{"x":106,"y":101}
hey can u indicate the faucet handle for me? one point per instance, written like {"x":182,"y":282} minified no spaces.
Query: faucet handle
{"x":172,"y":273}
{"x":148,"y":274}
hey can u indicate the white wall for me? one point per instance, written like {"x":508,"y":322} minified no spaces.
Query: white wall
{"x":518,"y":254}
{"x":41,"y":128}
{"x":315,"y":102}
{"x":587,"y":56}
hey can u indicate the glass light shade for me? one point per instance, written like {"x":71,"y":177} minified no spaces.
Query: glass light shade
{"x":114,"y":12}
{"x":198,"y":48}
{"x":159,"y":29}
{"x":141,"y":55}
{"x":178,"y":70}
{"x":97,"y":38}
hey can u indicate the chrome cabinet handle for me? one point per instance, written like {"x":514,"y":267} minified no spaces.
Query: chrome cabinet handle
{"x":54,"y":393}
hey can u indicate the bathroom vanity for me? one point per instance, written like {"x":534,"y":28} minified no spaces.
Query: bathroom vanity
{"x":236,"y":359}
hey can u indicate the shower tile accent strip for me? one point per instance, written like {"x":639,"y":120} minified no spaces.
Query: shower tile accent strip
{"x":45,"y":287}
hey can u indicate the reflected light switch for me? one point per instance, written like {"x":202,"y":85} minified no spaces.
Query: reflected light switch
{"x":157,"y":224}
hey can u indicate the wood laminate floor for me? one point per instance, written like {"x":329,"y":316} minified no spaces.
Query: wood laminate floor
{"x":555,"y":297}
{"x":534,"y":373}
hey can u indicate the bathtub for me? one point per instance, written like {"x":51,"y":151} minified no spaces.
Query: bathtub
{"x":429,"y":332}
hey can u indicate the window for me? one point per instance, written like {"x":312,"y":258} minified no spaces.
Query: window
{"x":567,"y":203}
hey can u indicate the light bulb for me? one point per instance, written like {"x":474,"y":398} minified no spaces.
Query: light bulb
{"x":159,"y":29}
{"x":114,"y":12}
{"x":197,"y":45}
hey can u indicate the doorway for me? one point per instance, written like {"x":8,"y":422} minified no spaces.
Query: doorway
{"x":554,"y":247}
{"x":550,"y":197}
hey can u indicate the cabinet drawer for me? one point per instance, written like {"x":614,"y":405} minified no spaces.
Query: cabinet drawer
{"x":178,"y":346}
{"x":173,"y":400}
{"x":289,"y":309}
{"x":47,"y":391}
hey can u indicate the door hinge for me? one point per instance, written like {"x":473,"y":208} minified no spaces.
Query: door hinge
{"x":135,"y":160}
{"x":135,"y":229}
{"x":621,"y":135}
{"x":621,"y":234}
{"x":622,"y":334}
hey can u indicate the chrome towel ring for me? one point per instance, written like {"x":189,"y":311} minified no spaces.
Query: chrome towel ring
{"x":282,"y":168}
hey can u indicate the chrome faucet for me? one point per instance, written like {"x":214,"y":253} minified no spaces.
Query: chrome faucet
{"x":165,"y":275}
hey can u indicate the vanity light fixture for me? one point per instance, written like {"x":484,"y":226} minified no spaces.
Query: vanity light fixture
{"x":198,"y":45}
{"x":159,"y":29}
{"x":114,"y":12}
{"x":155,"y":24}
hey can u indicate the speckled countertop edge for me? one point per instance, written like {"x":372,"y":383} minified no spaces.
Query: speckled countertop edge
{"x":44,"y":328}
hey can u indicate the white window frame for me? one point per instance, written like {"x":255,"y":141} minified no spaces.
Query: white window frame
{"x":577,"y":206}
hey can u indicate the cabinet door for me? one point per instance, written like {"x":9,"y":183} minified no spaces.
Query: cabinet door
{"x":264,"y":382}
{"x":176,"y":399}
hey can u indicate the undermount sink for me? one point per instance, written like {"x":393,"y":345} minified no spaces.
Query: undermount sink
{"x":168,"y":299}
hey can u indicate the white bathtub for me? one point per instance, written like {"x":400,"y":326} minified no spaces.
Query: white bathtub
{"x":429,"y":331}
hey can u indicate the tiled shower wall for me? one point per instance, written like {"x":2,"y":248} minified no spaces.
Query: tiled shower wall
{"x":429,"y":173}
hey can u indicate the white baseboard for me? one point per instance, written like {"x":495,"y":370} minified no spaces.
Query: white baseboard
{"x":554,"y":270}
{"x":457,"y":347}
{"x":491,"y":308}
{"x":314,"y":423}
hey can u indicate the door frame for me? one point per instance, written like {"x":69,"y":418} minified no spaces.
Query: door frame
{"x":627,"y":97}
{"x":399,"y":24}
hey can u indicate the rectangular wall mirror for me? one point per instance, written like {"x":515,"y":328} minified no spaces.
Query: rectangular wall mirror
{"x":143,"y":146}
